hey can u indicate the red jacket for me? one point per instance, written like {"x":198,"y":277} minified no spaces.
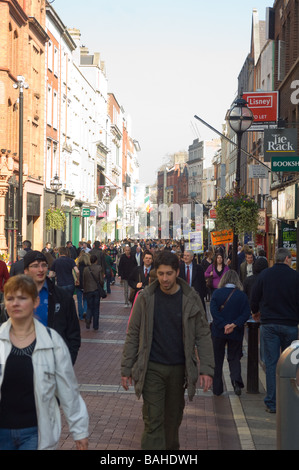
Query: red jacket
{"x":4,"y":274}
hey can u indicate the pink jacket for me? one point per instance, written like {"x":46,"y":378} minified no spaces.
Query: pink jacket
{"x":216,"y":275}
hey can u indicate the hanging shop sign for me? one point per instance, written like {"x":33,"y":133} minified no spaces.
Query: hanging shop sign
{"x":280,"y":143}
{"x":258,"y":171}
{"x":285,"y":163}
{"x":263,"y":105}
{"x":287,"y":203}
{"x":86,"y":212}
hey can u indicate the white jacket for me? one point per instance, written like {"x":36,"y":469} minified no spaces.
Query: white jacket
{"x":53,"y":376}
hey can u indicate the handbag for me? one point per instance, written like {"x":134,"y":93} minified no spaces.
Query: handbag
{"x":209,"y":282}
{"x":76,"y":277}
{"x":102,"y":292}
{"x":223,"y":305}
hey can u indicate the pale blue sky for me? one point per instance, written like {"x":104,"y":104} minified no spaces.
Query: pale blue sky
{"x":167,"y":60}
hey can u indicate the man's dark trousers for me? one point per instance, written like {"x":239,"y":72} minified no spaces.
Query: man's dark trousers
{"x":163,"y":406}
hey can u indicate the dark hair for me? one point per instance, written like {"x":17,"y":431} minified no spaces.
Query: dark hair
{"x":93,"y":259}
{"x":219,"y":253}
{"x":147,"y":252}
{"x":167,"y":258}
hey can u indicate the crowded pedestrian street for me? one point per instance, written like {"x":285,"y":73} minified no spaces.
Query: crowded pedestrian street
{"x":227,"y":422}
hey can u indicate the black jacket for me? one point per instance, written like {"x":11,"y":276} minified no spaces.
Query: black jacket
{"x":63,"y":318}
{"x":126,"y":266}
{"x":275,"y":295}
{"x":198,"y":279}
{"x":138,"y":276}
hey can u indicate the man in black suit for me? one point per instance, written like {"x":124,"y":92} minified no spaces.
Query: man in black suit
{"x":193,"y":273}
{"x":140,"y":276}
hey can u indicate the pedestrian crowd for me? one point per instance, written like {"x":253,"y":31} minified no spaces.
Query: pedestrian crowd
{"x":172,"y":337}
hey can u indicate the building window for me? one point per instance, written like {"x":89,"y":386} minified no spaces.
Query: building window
{"x":50,"y":54}
{"x":55,"y":109}
{"x":56,"y":61}
{"x":49,"y":106}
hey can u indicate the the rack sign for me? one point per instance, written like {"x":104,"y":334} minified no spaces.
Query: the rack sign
{"x":263,"y":105}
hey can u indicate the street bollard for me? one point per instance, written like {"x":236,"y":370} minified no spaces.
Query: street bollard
{"x":253,"y":357}
{"x":287,"y":399}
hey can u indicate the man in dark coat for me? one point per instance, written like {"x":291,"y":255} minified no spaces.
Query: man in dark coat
{"x":140,"y":276}
{"x":275,"y":302}
{"x":18,"y":266}
{"x":127,"y":264}
{"x":96,"y":250}
{"x":196,"y":277}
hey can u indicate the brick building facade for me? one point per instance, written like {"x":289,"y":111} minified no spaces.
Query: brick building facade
{"x":22,"y":50}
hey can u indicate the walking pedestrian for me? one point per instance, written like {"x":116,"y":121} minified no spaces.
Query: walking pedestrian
{"x":258,"y":266}
{"x":56,"y":308}
{"x":97,"y":250}
{"x":4,"y":276}
{"x":18,"y":266}
{"x":139,"y":278}
{"x":230,"y":310}
{"x":72,"y":250}
{"x":216,"y":270}
{"x":112,"y":252}
{"x":166,"y":326}
{"x":275,"y":303}
{"x":64,"y":268}
{"x":246,"y":268}
{"x":36,"y":372}
{"x":207,"y":260}
{"x":92,"y":276}
{"x":108,"y":272}
{"x":83,"y":260}
{"x":127,"y":264}
{"x":193,"y":273}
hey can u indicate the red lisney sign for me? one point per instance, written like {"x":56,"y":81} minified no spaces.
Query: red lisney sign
{"x":264,"y":105}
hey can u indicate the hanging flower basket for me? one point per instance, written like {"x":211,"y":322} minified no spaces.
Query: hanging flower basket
{"x":237,"y":212}
{"x":4,"y":256}
{"x":55,"y":219}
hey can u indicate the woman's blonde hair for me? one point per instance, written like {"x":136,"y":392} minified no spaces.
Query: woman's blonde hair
{"x":230,"y":277}
{"x":23,"y":283}
{"x":84,"y":258}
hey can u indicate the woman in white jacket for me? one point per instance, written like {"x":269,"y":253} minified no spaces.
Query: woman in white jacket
{"x":36,"y":373}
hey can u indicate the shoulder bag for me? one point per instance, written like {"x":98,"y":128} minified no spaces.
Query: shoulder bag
{"x":223,"y":305}
{"x":102,"y":292}
{"x":209,"y":281}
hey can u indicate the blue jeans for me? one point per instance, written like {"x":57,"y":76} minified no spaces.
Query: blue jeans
{"x":275,"y":338}
{"x":70,"y":289}
{"x":93,"y":308}
{"x":108,"y":280}
{"x":82,"y":303}
{"x":19,"y":439}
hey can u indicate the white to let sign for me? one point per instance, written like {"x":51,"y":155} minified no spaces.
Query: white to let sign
{"x":258,"y":171}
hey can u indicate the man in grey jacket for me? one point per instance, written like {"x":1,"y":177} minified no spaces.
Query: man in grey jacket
{"x":167,"y":326}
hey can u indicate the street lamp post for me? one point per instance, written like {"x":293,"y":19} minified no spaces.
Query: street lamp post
{"x":20,"y":85}
{"x":240,"y":119}
{"x":207,"y":206}
{"x":55,"y":185}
